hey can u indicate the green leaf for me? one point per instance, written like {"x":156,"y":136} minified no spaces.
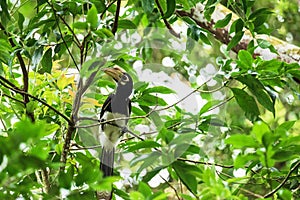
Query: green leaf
{"x":136,"y":195}
{"x":208,"y":12}
{"x":143,"y":145}
{"x":25,"y":130}
{"x":46,"y":62}
{"x":89,"y":67}
{"x":145,"y":189}
{"x":80,"y":25}
{"x":245,"y":59}
{"x":21,"y":20}
{"x":258,"y":130}
{"x":240,"y":141}
{"x":171,"y":4}
{"x":151,"y":100}
{"x":284,"y":155}
{"x":235,"y":40}
{"x":65,"y":179}
{"x":126,"y":24}
{"x":183,"y":138}
{"x":159,"y":89}
{"x":260,"y":12}
{"x":283,"y":128}
{"x":92,"y":17}
{"x":208,"y":105}
{"x":242,"y":159}
{"x":204,"y":38}
{"x":41,"y":2}
{"x":237,"y":26}
{"x":247,"y":103}
{"x":148,"y":6}
{"x":269,"y":65}
{"x":223,"y":22}
{"x":146,"y":159}
{"x":258,"y":90}
{"x":36,"y":58}
{"x":264,"y":44}
{"x":186,"y":174}
{"x":166,"y":135}
{"x":4,"y":9}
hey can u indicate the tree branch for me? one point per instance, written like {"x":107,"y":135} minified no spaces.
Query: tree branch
{"x":77,"y":42}
{"x":205,"y":163}
{"x":286,"y":52}
{"x":106,"y":8}
{"x":284,"y":180}
{"x":63,"y":39}
{"x":171,"y":186}
{"x":115,"y":26}
{"x":166,"y":21}
{"x":24,"y":71}
{"x":37,"y":99}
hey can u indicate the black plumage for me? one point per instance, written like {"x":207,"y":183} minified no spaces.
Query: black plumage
{"x":117,"y":105}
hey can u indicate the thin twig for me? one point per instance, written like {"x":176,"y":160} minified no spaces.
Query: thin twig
{"x":12,"y":98}
{"x":171,"y":186}
{"x":77,"y":42}
{"x":220,"y":104}
{"x":86,"y":148}
{"x":106,"y":8}
{"x":205,"y":163}
{"x":37,"y":99}
{"x":115,"y":25}
{"x":185,"y":97}
{"x":9,"y":83}
{"x":23,"y":69}
{"x":252,"y":193}
{"x":165,"y":20}
{"x":62,"y":37}
{"x":284,"y":180}
{"x":3,"y":124}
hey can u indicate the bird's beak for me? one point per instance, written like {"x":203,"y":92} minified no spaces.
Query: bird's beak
{"x":116,"y":73}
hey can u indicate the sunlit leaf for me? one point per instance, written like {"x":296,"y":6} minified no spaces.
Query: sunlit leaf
{"x":241,"y":141}
{"x":92,"y":17}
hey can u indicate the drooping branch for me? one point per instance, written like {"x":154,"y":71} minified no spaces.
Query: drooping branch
{"x":286,"y":52}
{"x":24,"y":71}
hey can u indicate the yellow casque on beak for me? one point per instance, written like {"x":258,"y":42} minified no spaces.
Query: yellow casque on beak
{"x":116,"y":73}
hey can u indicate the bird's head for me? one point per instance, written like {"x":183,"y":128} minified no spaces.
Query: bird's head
{"x":123,"y":79}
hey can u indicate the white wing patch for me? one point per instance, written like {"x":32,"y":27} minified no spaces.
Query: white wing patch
{"x":111,"y":136}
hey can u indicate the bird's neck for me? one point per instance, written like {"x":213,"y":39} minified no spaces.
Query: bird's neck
{"x":120,"y":94}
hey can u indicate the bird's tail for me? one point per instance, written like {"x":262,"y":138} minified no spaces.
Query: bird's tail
{"x":107,"y":161}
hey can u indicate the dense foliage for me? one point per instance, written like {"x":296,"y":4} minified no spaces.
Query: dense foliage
{"x":206,"y":123}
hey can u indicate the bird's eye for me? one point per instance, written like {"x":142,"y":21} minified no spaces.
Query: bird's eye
{"x":125,"y":78}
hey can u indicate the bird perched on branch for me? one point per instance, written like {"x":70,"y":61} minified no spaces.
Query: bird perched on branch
{"x":117,"y":105}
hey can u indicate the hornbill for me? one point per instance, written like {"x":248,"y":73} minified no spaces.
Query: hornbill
{"x":117,"y":105}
